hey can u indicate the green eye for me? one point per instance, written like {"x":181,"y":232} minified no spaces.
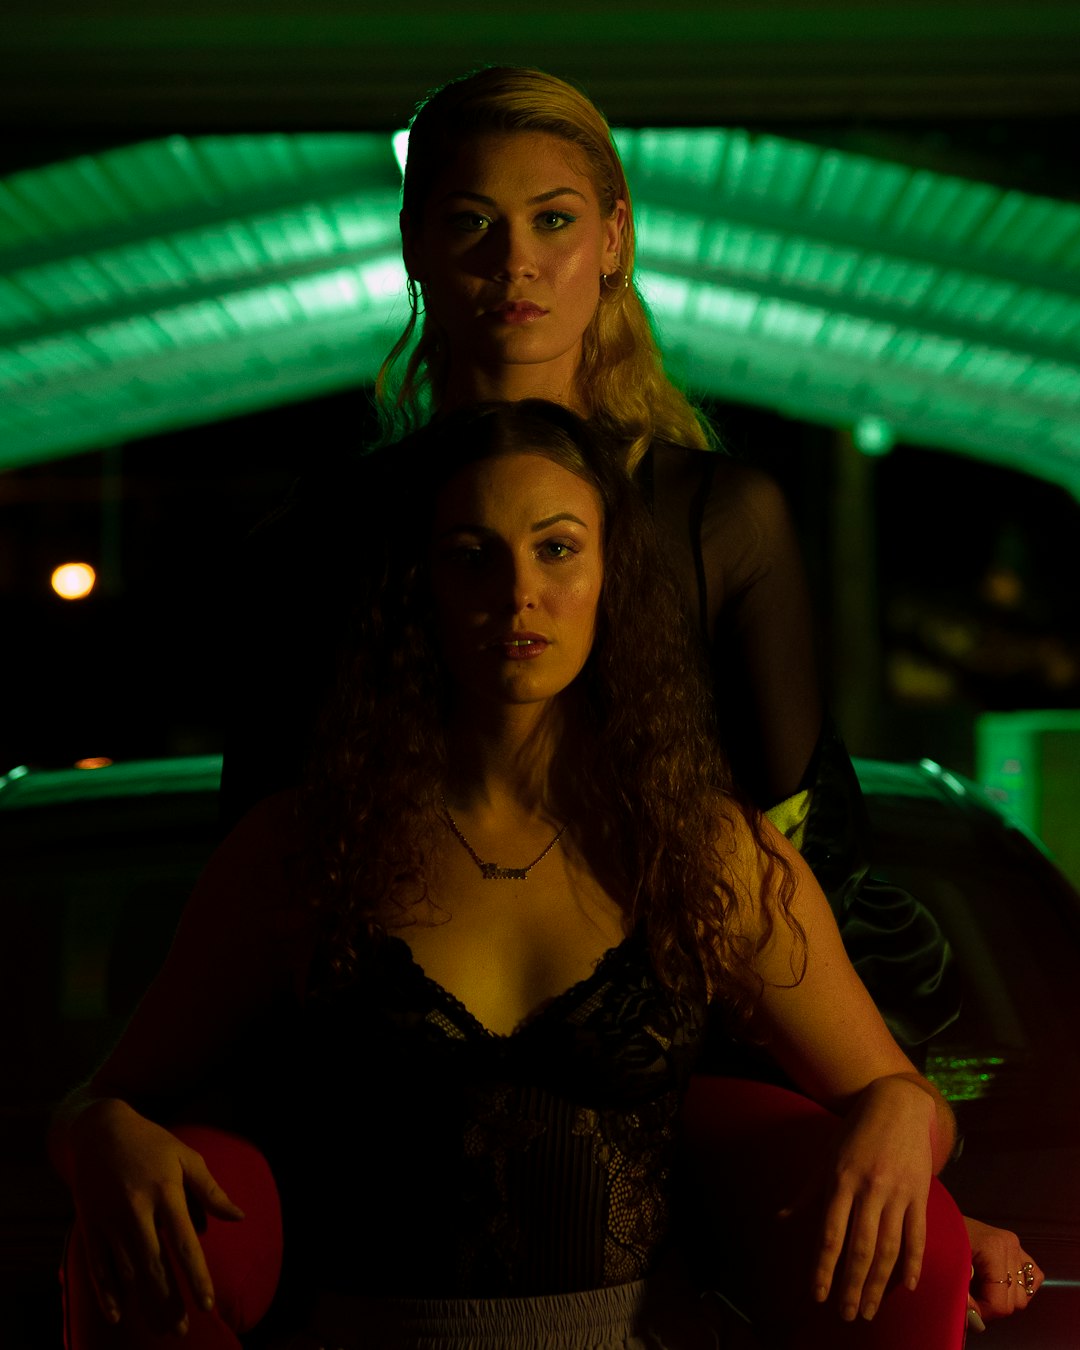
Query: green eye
{"x":557,"y":550}
{"x":470,"y":222}
{"x":556,"y":220}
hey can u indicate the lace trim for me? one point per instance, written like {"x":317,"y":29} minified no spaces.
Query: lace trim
{"x":543,"y":1012}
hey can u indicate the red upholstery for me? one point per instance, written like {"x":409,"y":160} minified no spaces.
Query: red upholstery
{"x":244,"y":1259}
{"x":753,"y":1146}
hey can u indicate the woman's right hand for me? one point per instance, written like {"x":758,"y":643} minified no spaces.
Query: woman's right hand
{"x":134,"y":1185}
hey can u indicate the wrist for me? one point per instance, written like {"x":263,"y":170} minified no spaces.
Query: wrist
{"x":80,"y":1121}
{"x":941,"y":1123}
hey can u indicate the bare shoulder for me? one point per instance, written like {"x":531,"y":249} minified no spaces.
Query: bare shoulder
{"x":760,"y":864}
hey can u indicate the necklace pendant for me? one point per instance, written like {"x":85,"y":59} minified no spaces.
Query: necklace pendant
{"x":493,"y":872}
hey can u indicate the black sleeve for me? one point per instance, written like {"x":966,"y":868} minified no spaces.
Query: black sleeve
{"x":730,"y":537}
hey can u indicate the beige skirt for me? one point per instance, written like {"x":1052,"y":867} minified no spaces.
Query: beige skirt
{"x":661,"y":1313}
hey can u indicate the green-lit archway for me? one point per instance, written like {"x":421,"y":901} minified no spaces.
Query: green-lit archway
{"x":187,"y":279}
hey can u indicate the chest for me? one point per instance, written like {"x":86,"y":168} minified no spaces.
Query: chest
{"x":504,"y":948}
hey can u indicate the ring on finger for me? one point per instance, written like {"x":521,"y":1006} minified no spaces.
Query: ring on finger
{"x":1007,"y":1281}
{"x":1027,"y":1277}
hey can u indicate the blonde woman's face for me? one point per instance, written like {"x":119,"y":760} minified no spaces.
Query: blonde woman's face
{"x":510,"y":254}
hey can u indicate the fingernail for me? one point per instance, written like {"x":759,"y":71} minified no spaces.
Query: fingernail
{"x":912,"y":1283}
{"x":821,"y":1293}
{"x":849,"y":1312}
{"x":869,"y":1310}
{"x":208,"y":1303}
{"x":975,"y":1321}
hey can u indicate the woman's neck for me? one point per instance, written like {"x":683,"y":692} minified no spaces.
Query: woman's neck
{"x":507,"y":761}
{"x":553,"y":381}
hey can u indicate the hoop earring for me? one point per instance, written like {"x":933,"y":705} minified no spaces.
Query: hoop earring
{"x":412,"y":287}
{"x":608,"y":285}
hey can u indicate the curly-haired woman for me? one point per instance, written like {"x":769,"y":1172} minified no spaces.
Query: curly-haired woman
{"x":457,"y":985}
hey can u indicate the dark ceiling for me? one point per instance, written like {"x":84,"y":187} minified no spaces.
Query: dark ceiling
{"x":93,"y":66}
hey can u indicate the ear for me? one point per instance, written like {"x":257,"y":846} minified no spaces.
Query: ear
{"x":411,"y":250}
{"x":613,"y":235}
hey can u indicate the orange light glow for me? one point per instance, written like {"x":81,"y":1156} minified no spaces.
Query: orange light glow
{"x":94,"y":762}
{"x":73,"y":581}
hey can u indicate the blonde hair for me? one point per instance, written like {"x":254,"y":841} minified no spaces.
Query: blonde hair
{"x":622,"y":384}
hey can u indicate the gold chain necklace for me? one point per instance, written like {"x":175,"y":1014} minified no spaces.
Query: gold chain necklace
{"x":492,"y":871}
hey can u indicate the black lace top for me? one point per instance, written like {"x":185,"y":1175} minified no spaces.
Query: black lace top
{"x":480,"y":1164}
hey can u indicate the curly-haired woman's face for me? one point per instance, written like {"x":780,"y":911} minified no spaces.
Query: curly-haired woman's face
{"x":517,"y":567}
{"x":510,"y":252}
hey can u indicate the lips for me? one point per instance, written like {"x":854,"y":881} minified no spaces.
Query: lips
{"x":518,"y":312}
{"x":519,"y":646}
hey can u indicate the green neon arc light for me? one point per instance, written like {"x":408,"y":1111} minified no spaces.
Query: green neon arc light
{"x":186,"y":279}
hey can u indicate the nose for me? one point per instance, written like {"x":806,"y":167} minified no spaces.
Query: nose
{"x":521,"y":589}
{"x":516,"y":257}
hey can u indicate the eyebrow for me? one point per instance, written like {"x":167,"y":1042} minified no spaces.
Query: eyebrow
{"x":463,"y":527}
{"x":553,"y":520}
{"x":533,"y":201}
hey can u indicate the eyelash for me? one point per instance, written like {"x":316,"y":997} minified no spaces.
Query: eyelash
{"x":475,"y":222}
{"x":569,"y":548}
{"x":564,"y":218}
{"x":473,"y":555}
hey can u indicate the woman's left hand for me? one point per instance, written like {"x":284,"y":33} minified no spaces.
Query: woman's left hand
{"x":874,"y":1197}
{"x":1005,"y":1277}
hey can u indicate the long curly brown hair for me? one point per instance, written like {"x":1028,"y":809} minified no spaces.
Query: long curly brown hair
{"x":656,"y":795}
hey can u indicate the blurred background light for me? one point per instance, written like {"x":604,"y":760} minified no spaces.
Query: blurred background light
{"x":73,"y":581}
{"x":873,"y":436}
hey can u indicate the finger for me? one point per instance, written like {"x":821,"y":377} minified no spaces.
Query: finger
{"x":201,"y":1184}
{"x":186,"y":1249}
{"x":974,"y":1317}
{"x":860,"y":1253}
{"x":146,"y":1259}
{"x":996,"y":1287}
{"x":914,"y":1243}
{"x":1029,"y":1277}
{"x":103,"y":1278}
{"x":833,"y":1231}
{"x":160,"y":1296}
{"x":891,"y":1239}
